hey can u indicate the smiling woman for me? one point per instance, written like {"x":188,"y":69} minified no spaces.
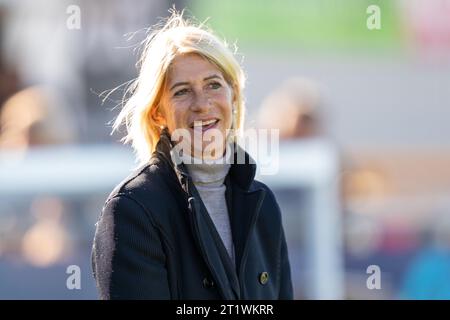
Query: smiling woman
{"x":181,"y":229}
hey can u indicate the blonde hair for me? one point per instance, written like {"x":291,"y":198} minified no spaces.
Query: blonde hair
{"x":177,"y":36}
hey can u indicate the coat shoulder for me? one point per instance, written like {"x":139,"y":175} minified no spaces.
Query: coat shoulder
{"x":143,"y":185}
{"x":269,"y":195}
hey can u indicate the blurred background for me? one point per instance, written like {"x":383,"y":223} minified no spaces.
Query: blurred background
{"x":363,"y":115}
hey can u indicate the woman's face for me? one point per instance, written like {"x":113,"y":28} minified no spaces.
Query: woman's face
{"x":198,"y":99}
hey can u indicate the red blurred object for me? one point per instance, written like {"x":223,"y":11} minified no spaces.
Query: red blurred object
{"x":429,"y":24}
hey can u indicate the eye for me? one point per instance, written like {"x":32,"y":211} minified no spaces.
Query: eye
{"x":180,"y":92}
{"x":214,"y":85}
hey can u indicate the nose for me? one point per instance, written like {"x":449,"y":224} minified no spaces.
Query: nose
{"x":200,"y":103}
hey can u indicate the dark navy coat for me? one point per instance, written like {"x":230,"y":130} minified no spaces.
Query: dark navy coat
{"x":155,"y":240}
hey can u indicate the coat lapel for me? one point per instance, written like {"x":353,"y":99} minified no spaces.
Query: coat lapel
{"x":245,"y":207}
{"x":245,"y":204}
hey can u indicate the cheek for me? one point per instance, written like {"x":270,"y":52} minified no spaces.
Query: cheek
{"x":226,"y":110}
{"x":179,"y":114}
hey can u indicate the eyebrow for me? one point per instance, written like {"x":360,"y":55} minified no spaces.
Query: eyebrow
{"x":177,"y":84}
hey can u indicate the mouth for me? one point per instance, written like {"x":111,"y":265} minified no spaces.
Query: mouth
{"x":204,"y":125}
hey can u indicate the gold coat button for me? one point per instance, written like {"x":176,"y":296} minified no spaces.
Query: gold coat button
{"x":263,"y":277}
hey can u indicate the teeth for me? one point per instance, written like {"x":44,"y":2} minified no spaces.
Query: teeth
{"x":204,"y":123}
{"x":207,"y":123}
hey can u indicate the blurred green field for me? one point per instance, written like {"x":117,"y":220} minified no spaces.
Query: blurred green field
{"x":309,"y":24}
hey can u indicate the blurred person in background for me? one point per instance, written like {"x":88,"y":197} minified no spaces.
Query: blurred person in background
{"x":35,"y":116}
{"x":292,"y":108}
{"x":189,"y":230}
{"x":308,"y":196}
{"x":32,"y":118}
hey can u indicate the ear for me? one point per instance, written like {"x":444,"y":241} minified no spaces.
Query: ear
{"x":157,"y":116}
{"x":234,"y":101}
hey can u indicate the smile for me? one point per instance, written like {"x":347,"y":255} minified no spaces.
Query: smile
{"x":204,"y":125}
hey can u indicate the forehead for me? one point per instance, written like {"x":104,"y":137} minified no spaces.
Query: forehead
{"x":190,"y":67}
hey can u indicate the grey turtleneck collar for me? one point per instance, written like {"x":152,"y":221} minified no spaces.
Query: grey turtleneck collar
{"x":208,"y":174}
{"x":212,"y":173}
